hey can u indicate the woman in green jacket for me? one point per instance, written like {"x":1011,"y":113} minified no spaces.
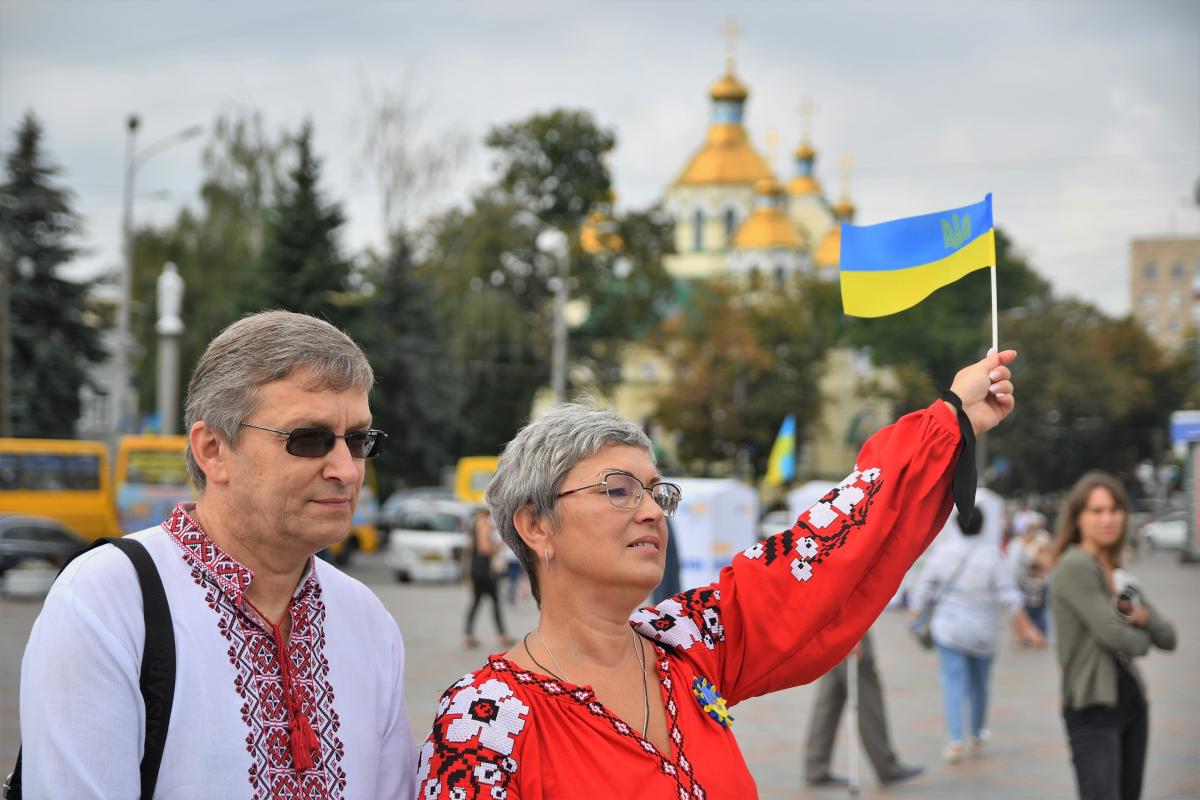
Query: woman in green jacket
{"x":1102,"y":621}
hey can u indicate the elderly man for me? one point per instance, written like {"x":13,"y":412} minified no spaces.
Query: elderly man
{"x":288,"y":676}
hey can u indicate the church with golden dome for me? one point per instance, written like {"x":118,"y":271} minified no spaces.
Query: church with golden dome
{"x":732,"y":214}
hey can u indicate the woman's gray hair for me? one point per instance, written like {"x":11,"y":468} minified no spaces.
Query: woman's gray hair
{"x":535,"y":463}
{"x":263,"y":348}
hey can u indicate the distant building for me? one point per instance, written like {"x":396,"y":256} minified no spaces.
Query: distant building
{"x":1165,"y":287}
{"x":733,"y":216}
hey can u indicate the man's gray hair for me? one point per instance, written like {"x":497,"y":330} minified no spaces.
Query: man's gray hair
{"x":535,"y":463}
{"x":263,"y":348}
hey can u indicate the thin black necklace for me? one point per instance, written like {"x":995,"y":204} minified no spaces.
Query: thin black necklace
{"x":641,"y":659}
{"x":541,"y":666}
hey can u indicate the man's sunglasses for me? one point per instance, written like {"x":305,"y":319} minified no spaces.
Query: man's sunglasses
{"x":317,"y":442}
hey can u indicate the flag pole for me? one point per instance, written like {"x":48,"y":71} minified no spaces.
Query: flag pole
{"x":995,"y":326}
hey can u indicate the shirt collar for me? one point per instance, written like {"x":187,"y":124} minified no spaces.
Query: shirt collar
{"x":231,"y":576}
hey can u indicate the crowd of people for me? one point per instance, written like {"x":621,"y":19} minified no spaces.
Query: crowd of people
{"x":285,"y":677}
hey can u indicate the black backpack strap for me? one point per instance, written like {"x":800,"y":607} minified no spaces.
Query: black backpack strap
{"x":157,"y":678}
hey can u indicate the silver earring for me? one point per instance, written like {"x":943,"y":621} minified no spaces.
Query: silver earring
{"x":546,"y":556}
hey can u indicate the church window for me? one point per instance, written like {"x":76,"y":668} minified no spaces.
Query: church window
{"x":698,"y":230}
{"x":1177,"y":270}
{"x":730,"y":224}
{"x":1150,"y":271}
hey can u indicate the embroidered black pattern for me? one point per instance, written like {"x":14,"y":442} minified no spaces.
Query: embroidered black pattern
{"x":823,"y":528}
{"x":465,"y":743}
{"x":683,"y":620}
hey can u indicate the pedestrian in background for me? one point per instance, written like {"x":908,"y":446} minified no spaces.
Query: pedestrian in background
{"x":872,"y":723}
{"x":1102,"y":621}
{"x":484,"y":546}
{"x":1030,"y":557}
{"x":973,"y":587}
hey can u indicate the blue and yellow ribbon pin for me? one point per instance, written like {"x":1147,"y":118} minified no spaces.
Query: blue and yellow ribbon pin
{"x":711,"y":702}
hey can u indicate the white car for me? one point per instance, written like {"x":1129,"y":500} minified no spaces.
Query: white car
{"x":1166,"y":533}
{"x":428,"y":539}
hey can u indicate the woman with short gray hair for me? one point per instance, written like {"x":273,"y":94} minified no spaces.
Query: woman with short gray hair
{"x":604,"y":700}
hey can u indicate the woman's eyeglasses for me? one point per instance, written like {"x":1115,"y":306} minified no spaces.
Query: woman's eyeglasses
{"x":625,"y":491}
{"x":317,"y":442}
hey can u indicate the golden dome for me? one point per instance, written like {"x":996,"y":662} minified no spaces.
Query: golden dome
{"x":805,"y":151}
{"x":768,"y":187}
{"x":829,"y":254}
{"x":729,"y":88}
{"x":844,"y":209}
{"x":767,"y":228}
{"x":727,"y":157}
{"x":803,"y":184}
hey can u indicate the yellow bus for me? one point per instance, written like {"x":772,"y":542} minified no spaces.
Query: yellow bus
{"x":472,"y":476}
{"x":151,"y":478}
{"x":64,"y":479}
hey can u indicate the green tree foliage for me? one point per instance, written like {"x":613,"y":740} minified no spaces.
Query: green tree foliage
{"x":743,"y":361}
{"x":52,"y":338}
{"x":487,"y":275}
{"x":218,"y":247}
{"x":626,"y":292}
{"x":303,"y":269}
{"x":951,"y":327}
{"x":1094,"y":392}
{"x":418,"y":396}
{"x":553,"y":165}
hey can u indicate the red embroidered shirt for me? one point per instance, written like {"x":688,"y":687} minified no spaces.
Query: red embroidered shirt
{"x":782,"y":614}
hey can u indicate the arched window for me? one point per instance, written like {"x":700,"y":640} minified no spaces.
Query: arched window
{"x":730,"y":225}
{"x":698,"y":230}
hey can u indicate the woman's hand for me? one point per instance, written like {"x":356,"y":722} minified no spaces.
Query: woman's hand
{"x":986,"y":390}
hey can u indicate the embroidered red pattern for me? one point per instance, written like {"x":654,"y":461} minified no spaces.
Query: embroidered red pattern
{"x":258,"y":683}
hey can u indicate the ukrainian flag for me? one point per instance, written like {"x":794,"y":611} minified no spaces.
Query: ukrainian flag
{"x":894,"y":265}
{"x":781,"y":466}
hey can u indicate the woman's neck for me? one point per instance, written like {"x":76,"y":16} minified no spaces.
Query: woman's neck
{"x":588,"y":636}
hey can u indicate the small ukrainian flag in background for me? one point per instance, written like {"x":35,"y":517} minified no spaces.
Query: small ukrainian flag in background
{"x":781,"y":466}
{"x":894,"y":265}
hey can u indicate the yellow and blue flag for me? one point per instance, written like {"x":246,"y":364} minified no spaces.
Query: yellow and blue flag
{"x":781,"y":465}
{"x":894,"y":265}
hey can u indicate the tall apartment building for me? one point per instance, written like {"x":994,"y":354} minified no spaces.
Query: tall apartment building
{"x":1165,"y":287}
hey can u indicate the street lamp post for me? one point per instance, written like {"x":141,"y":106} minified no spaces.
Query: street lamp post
{"x":553,"y":242}
{"x":133,"y":162}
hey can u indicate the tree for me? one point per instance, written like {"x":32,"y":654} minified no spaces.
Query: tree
{"x":483,"y":266}
{"x":419,"y":391}
{"x":303,"y":269}
{"x":950,"y":328}
{"x":1094,"y":392}
{"x":627,"y":292}
{"x":553,"y":165}
{"x":218,"y":247}
{"x":744,"y":360}
{"x":486,"y":273}
{"x":53,"y":339}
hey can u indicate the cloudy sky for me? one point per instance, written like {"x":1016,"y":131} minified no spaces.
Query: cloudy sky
{"x":1083,"y":118}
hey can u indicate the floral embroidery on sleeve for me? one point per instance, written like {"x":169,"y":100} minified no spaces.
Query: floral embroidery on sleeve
{"x":683,"y":620}
{"x":469,"y":751}
{"x":823,"y":528}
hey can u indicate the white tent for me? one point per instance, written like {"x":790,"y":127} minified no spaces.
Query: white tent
{"x":716,"y":520}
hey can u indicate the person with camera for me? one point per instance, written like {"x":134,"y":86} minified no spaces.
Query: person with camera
{"x":1103,"y":620}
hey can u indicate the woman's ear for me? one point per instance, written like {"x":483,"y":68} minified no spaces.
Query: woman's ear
{"x":536,"y":532}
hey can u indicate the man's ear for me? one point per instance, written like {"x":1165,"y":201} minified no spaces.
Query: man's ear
{"x":210,"y":452}
{"x":535,"y":531}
